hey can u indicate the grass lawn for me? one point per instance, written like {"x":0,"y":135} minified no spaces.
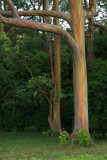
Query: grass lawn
{"x":35,"y":146}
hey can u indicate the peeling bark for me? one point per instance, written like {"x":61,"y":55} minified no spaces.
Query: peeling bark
{"x":92,"y":7}
{"x":79,"y":69}
{"x":49,"y":50}
{"x":90,"y":55}
{"x":57,"y":70}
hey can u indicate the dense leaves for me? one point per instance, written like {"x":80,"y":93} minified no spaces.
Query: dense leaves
{"x":25,"y":77}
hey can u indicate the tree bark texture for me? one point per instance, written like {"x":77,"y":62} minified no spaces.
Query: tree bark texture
{"x":49,"y":50}
{"x":62,"y":15}
{"x":57,"y":71}
{"x":1,"y":26}
{"x":79,"y":68}
{"x":90,"y":56}
{"x":42,"y":27}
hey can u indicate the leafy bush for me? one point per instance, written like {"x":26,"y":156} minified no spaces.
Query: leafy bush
{"x":64,"y":137}
{"x":83,"y":137}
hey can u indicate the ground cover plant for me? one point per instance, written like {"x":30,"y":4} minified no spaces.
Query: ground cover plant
{"x":36,"y":146}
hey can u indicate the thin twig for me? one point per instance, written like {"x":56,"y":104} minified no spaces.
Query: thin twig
{"x":33,"y":5}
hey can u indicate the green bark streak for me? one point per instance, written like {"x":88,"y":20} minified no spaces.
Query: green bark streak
{"x":79,"y":68}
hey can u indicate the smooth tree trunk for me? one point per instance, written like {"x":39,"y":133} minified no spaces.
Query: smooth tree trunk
{"x":57,"y":71}
{"x":90,"y":56}
{"x":79,"y":69}
{"x":54,"y":106}
{"x":1,"y":25}
{"x":54,"y":114}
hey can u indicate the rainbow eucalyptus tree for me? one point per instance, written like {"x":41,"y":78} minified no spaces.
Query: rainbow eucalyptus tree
{"x":76,"y":42}
{"x":92,"y":7}
{"x":57,"y":71}
{"x":54,"y":106}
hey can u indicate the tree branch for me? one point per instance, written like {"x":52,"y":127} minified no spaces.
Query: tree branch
{"x":42,"y":27}
{"x":35,"y":83}
{"x":90,"y":14}
{"x":12,"y":8}
{"x":100,"y":26}
{"x":33,"y":5}
{"x":40,"y":5}
{"x":65,"y":16}
{"x":62,"y":15}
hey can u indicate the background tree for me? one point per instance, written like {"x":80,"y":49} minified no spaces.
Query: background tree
{"x":92,"y":7}
{"x":78,"y":54}
{"x":79,"y":69}
{"x":57,"y":68}
{"x":1,"y":26}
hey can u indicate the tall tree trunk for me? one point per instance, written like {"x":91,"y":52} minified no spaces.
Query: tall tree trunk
{"x":1,"y":26}
{"x":57,"y":70}
{"x":79,"y":68}
{"x":90,"y":56}
{"x":54,"y":107}
{"x":48,"y":45}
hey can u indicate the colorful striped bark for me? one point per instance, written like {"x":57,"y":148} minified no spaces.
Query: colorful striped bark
{"x":79,"y":68}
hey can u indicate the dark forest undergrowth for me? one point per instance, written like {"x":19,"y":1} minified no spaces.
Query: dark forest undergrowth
{"x":35,"y":146}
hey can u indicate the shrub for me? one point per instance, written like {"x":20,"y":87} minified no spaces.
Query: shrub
{"x":64,"y":137}
{"x":83,"y":136}
{"x":74,"y":141}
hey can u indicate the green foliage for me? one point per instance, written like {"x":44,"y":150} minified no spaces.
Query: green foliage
{"x":64,"y":137}
{"x":74,"y":141}
{"x":51,"y":133}
{"x":99,"y":43}
{"x":83,"y":137}
{"x":97,"y":73}
{"x":19,"y":108}
{"x":64,"y":6}
{"x":24,"y":107}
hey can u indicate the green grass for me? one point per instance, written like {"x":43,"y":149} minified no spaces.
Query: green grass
{"x":35,"y":146}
